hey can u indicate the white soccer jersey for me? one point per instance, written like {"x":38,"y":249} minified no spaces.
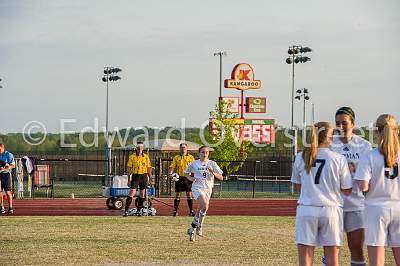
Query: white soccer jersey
{"x":203,"y":178}
{"x":384,"y":183}
{"x":321,"y":187}
{"x":356,"y":148}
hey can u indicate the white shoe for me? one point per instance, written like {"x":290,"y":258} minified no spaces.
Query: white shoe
{"x":199,"y":231}
{"x":191,"y":233}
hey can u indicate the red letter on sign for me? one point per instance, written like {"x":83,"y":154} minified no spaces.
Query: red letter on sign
{"x":243,"y":75}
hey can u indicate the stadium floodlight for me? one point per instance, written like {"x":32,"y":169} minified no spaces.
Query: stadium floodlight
{"x":296,"y":56}
{"x":303,"y":93}
{"x":109,"y":76}
{"x":220,"y":54}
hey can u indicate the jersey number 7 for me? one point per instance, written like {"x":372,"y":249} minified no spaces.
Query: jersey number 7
{"x":321,"y":163}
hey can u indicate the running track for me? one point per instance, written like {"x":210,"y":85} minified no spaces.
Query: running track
{"x":97,"y":207}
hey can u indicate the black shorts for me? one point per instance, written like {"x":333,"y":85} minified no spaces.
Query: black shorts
{"x":5,"y":182}
{"x":139,"y":180}
{"x":183,"y":185}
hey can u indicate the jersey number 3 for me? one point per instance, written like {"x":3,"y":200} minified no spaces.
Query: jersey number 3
{"x":321,"y":163}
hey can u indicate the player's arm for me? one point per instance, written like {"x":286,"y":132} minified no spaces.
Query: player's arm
{"x":363,"y":173}
{"x":190,"y":176}
{"x":216,"y":174}
{"x":189,"y":172}
{"x":363,"y":185}
{"x":296,"y":170}
{"x":346,"y":192}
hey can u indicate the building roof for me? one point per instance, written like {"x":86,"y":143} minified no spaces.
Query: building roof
{"x":166,"y":145}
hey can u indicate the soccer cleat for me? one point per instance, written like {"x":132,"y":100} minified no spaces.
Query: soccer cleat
{"x":192,"y":213}
{"x":3,"y":211}
{"x":199,"y":231}
{"x":175,"y":213}
{"x":125,"y":214}
{"x":191,"y":233}
{"x":10,"y":211}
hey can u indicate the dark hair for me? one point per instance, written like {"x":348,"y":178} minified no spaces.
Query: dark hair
{"x":202,"y":147}
{"x":345,"y":110}
{"x":183,"y":144}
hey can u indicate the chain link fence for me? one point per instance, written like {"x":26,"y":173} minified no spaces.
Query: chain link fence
{"x":82,"y":175}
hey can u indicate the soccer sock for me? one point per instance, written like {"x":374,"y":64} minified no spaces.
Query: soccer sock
{"x":140,"y":202}
{"x":190,"y":204}
{"x":128,"y":203}
{"x":176,"y":204}
{"x":195,"y":221}
{"x":202,"y":216}
{"x":358,"y":263}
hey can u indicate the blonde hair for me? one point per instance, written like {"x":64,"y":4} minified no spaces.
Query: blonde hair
{"x":316,"y":135}
{"x":388,"y":143}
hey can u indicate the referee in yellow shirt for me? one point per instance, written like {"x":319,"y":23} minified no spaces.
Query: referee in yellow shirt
{"x":139,"y":167}
{"x":179,"y":164}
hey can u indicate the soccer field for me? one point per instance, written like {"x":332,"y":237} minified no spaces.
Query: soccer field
{"x":150,"y":240}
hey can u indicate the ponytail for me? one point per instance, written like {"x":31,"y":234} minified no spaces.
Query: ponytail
{"x":311,"y":148}
{"x":388,"y":139}
{"x":316,"y":135}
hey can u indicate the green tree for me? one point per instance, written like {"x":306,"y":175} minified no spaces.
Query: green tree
{"x":227,"y":147}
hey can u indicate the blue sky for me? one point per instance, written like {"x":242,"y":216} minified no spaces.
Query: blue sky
{"x":52,"y":54}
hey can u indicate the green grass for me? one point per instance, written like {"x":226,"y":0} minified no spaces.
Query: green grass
{"x":150,"y":240}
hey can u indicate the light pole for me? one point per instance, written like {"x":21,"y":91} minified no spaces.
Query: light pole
{"x":220,"y":54}
{"x":109,"y":76}
{"x":296,"y":56}
{"x":312,"y":114}
{"x":0,"y":85}
{"x":303,"y":93}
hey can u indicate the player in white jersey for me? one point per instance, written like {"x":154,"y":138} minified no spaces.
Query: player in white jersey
{"x":353,"y":148}
{"x":322,"y":176}
{"x":202,"y":172}
{"x":378,"y":175}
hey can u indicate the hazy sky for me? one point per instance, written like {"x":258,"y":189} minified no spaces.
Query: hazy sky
{"x":52,"y":55}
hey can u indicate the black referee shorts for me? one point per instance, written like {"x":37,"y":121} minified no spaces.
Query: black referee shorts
{"x":5,"y":179}
{"x":183,"y":185}
{"x":139,"y":180}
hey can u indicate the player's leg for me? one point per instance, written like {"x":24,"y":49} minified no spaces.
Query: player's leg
{"x":177,"y":200}
{"x":376,"y":255}
{"x":132,"y":193}
{"x":203,"y":201}
{"x":7,"y":188}
{"x":10,"y":202}
{"x":189,"y":198}
{"x":195,"y":221}
{"x":396,"y":254}
{"x":354,"y":227}
{"x":355,"y":241}
{"x":306,"y":254}
{"x":331,"y":255}
{"x":142,"y":194}
{"x":2,"y":210}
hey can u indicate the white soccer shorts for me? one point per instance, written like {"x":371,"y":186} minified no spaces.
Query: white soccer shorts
{"x":197,"y":192}
{"x":382,"y":226}
{"x":319,"y":226}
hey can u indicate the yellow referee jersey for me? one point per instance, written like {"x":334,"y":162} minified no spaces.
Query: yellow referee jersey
{"x":180,"y":162}
{"x":139,"y":164}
